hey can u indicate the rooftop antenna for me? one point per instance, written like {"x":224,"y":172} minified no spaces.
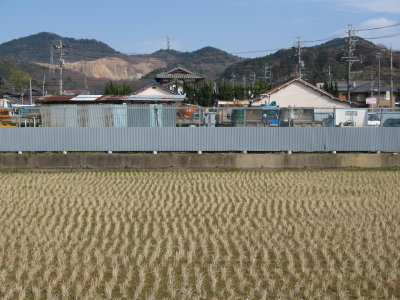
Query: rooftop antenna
{"x":168,"y":42}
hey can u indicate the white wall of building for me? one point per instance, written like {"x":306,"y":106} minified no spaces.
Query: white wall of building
{"x":297,"y":94}
{"x":357,"y":115}
{"x":153,"y":90}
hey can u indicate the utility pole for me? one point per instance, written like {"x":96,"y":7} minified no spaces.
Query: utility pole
{"x":330,"y":75}
{"x":392,"y":100}
{"x":372,"y":85}
{"x":43,"y":83}
{"x":86,"y":87}
{"x":350,"y":58}
{"x":30,"y":91}
{"x":233,"y":78}
{"x":268,"y":73}
{"x":378,"y":56}
{"x":60,"y":49}
{"x":52,"y":68}
{"x":300,"y":62}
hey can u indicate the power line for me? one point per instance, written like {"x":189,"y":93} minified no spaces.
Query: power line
{"x":326,"y":39}
{"x":256,"y":51}
{"x":377,"y":28}
{"x":382,"y":37}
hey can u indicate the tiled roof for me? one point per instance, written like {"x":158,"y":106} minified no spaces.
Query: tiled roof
{"x":361,"y":87}
{"x":297,"y":79}
{"x":178,"y":73}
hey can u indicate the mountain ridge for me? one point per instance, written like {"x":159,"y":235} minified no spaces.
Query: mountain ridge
{"x":96,"y":62}
{"x":95,"y":59}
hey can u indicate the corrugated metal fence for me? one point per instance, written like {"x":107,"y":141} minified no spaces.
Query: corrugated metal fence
{"x":304,"y":139}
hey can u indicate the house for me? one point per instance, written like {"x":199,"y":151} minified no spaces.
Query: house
{"x":297,"y":92}
{"x":155,"y":92}
{"x":174,"y":79}
{"x":23,"y":97}
{"x":149,"y":106}
{"x":361,"y":90}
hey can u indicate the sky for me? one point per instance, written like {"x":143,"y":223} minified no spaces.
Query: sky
{"x":248,"y":28}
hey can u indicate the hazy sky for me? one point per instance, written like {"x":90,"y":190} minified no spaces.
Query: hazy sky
{"x":231,"y":25}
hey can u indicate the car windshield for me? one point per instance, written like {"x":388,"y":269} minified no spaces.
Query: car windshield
{"x":373,"y":117}
{"x":270,"y":114}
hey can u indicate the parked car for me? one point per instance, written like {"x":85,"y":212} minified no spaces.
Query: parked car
{"x":391,"y":123}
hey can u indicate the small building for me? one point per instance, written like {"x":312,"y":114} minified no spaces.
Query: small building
{"x":150,"y":106}
{"x":361,"y":90}
{"x":175,"y":78}
{"x":297,"y":92}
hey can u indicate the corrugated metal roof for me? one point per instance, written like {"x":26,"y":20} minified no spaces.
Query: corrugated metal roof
{"x":155,"y":98}
{"x":111,"y":98}
{"x":56,"y":98}
{"x":85,"y":98}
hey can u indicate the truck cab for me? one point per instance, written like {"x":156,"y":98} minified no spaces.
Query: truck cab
{"x":373,"y":119}
{"x":271,"y":115}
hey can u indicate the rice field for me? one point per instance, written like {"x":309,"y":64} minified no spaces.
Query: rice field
{"x":319,"y":234}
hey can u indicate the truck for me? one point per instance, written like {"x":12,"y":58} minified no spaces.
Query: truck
{"x":271,"y":116}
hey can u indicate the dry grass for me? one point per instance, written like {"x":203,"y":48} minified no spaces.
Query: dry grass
{"x":200,"y":235}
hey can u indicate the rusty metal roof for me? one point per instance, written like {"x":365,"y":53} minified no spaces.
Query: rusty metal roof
{"x":74,"y":99}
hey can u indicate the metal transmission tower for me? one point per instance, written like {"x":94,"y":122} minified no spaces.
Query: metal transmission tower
{"x":300,"y":63}
{"x":59,"y":49}
{"x":350,"y":58}
{"x":168,"y":42}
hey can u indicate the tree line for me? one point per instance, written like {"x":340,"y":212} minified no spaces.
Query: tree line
{"x":203,"y":94}
{"x":114,"y":88}
{"x":331,"y":88}
{"x":207,"y":93}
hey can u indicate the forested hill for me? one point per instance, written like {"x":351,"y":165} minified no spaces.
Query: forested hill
{"x":95,"y":59}
{"x":208,"y":61}
{"x":36,"y":48}
{"x":318,"y":59}
{"x":92,"y":59}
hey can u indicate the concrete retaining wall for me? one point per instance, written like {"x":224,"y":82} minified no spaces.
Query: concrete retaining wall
{"x":31,"y":161}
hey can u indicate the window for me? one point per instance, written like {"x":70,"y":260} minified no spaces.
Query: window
{"x":351,"y":113}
